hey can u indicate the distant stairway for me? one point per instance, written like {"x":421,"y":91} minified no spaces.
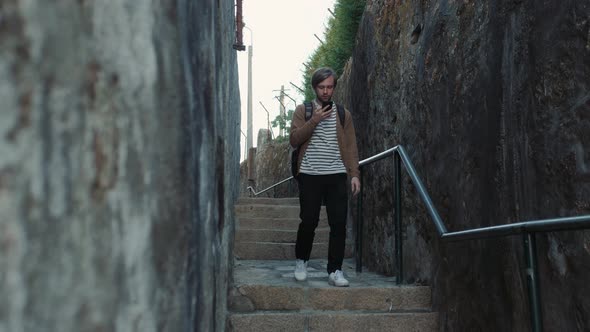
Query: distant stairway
{"x":266,"y":297}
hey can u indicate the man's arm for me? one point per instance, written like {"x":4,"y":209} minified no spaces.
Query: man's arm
{"x":355,"y":182}
{"x":351,"y":147}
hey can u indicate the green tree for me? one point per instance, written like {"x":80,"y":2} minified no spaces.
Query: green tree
{"x":339,"y":40}
{"x":283,"y":123}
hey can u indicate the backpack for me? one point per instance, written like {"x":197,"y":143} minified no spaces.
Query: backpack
{"x":308,"y":110}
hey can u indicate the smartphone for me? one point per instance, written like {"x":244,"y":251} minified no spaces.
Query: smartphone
{"x":326,"y":103}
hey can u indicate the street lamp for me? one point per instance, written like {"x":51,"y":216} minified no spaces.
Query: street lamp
{"x":246,"y":150}
{"x":280,"y":102}
{"x":294,"y":102}
{"x":267,"y":120}
{"x":298,"y":88}
{"x":249,"y":130}
{"x":283,"y":116}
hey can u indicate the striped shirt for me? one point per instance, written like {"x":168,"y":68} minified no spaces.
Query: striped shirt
{"x":322,"y":156}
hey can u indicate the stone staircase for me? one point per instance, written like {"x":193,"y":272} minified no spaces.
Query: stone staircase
{"x":267,"y":229}
{"x":266,"y":297}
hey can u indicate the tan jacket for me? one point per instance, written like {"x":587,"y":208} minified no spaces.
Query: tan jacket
{"x":301,"y":131}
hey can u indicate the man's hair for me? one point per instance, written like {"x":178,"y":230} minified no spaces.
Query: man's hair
{"x":321,"y":74}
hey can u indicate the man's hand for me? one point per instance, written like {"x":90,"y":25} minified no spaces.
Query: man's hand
{"x":355,"y":186}
{"x":321,"y":114}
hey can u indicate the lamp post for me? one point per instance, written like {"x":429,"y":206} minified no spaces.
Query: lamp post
{"x":294,"y":102}
{"x":282,"y":116}
{"x":249,"y":130}
{"x":267,"y":120}
{"x":246,"y":150}
{"x":298,"y":88}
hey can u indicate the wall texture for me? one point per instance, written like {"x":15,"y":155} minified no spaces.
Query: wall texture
{"x":119,"y":137}
{"x":271,"y":164}
{"x":492,"y":102}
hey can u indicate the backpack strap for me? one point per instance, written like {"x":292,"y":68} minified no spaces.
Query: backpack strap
{"x":341,"y":114}
{"x":308,"y":110}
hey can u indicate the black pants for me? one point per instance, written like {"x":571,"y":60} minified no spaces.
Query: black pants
{"x":313,"y":190}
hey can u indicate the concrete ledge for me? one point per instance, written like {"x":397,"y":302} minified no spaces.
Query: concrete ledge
{"x":267,"y":322}
{"x":266,"y":297}
{"x":262,"y":251}
{"x":271,"y":211}
{"x":279,"y":236}
{"x":375,"y":299}
{"x":273,"y":223}
{"x":334,"y":321}
{"x":280,"y":251}
{"x":370,"y":298}
{"x":392,"y":322}
{"x":267,"y":211}
{"x":268,"y":201}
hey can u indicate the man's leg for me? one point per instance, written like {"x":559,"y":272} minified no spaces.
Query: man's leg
{"x":310,"y":202}
{"x":337,"y":208}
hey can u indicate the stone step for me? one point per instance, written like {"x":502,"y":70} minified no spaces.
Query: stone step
{"x":333,"y":321}
{"x":277,"y":236}
{"x":281,"y":251}
{"x":265,"y":276}
{"x":324,"y":297}
{"x":269,"y":201}
{"x":271,"y":211}
{"x":266,"y":297}
{"x":274,"y":223}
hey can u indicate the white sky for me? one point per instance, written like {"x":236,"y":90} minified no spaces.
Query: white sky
{"x":283,"y":39}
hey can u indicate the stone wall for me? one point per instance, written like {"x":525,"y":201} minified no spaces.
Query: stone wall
{"x":119,"y":137}
{"x":492,"y":102}
{"x":273,"y":164}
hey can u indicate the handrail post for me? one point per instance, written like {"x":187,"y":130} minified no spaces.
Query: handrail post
{"x":359,"y":228}
{"x":532,"y":276}
{"x":398,"y":219}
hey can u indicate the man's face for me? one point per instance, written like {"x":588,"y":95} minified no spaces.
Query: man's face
{"x":325,"y":89}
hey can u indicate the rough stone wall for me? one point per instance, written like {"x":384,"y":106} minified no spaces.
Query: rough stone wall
{"x":273,"y":164}
{"x":119,"y":126}
{"x":492,"y":102}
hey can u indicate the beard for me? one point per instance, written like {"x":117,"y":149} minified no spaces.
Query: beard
{"x":324,"y":98}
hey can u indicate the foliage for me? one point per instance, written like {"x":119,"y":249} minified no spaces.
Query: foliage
{"x":339,"y":40}
{"x":283,"y":123}
{"x":281,"y":139}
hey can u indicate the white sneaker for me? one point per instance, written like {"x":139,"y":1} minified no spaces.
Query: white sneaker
{"x":300,"y":270}
{"x":337,"y":279}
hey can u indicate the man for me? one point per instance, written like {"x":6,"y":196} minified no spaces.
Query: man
{"x":328,"y":153}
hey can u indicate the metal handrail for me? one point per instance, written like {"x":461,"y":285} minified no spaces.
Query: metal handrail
{"x":254,"y":193}
{"x":527,"y":228}
{"x":440,"y":227}
{"x":534,"y":226}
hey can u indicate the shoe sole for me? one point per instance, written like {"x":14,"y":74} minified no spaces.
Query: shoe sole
{"x":332,"y":283}
{"x":302,"y":279}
